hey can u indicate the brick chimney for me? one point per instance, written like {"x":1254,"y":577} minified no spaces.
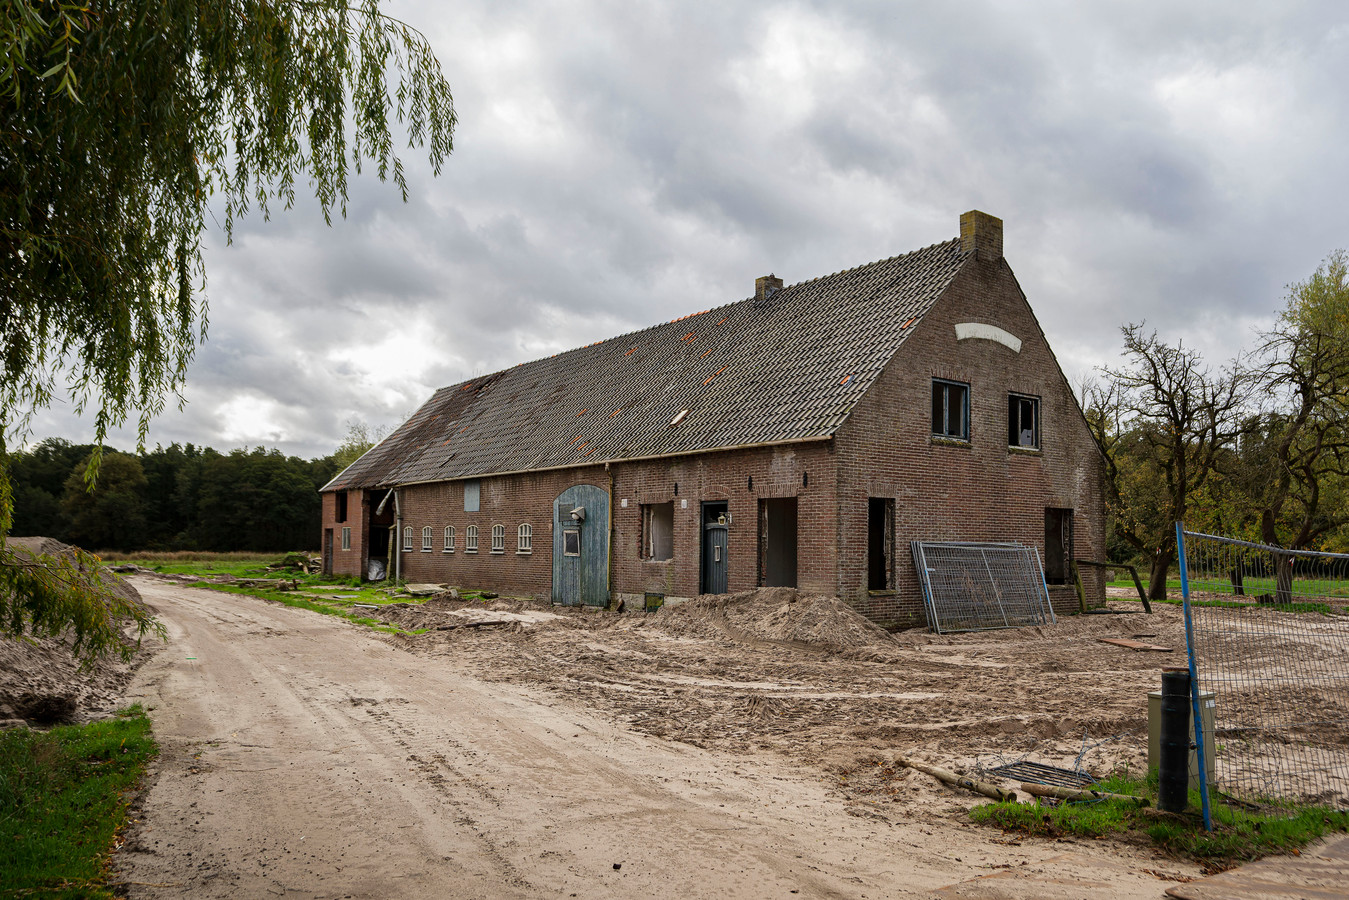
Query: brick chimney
{"x":765,"y":287}
{"x":981,"y":233}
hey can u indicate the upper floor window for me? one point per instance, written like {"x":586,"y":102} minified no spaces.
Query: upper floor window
{"x":341,"y":506}
{"x":498,"y":538}
{"x":426,"y":539}
{"x":407,"y":539}
{"x":449,"y":538}
{"x":950,"y":409}
{"x":1023,"y":421}
{"x":471,"y":539}
{"x":472,"y":495}
{"x":524,"y":541}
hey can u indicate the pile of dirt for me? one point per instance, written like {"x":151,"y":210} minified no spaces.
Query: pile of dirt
{"x":443,"y":614}
{"x":783,"y":616}
{"x":41,"y":680}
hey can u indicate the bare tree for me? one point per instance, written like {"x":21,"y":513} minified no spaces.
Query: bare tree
{"x":1164,"y":421}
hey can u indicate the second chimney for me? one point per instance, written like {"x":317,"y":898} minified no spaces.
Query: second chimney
{"x":981,"y":233}
{"x":766,"y":286}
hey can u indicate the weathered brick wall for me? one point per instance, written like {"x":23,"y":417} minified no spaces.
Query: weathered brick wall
{"x":348,"y":562}
{"x":979,"y":491}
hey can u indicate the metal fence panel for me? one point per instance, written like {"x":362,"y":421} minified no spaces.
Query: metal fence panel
{"x":1271,"y":641}
{"x":981,"y":586}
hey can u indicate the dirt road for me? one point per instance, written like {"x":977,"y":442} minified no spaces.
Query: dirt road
{"x":304,"y":756}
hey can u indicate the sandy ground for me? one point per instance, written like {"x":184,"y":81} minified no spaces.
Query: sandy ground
{"x":600,"y":756}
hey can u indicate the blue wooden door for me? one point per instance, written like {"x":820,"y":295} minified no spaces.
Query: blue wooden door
{"x":581,"y":546}
{"x":714,"y":559}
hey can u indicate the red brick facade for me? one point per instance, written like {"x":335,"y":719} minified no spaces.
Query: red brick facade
{"x":941,"y":490}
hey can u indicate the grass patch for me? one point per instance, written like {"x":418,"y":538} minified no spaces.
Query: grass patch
{"x":62,"y":803}
{"x":341,"y":608}
{"x":1239,"y":835}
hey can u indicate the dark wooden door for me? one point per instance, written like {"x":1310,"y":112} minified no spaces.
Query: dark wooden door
{"x":714,"y":559}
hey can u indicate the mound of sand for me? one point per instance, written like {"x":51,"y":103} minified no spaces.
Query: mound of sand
{"x":782,"y":616}
{"x":41,"y":681}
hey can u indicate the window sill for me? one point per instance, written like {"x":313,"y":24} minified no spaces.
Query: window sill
{"x":524,"y":552}
{"x":426,"y":549}
{"x":447,"y":551}
{"x":657,"y":562}
{"x":888,"y":592}
{"x":1025,"y":451}
{"x":474,"y":552}
{"x":498,"y":552}
{"x":939,"y":441}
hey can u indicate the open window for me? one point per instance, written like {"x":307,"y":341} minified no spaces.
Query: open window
{"x":950,"y":409}
{"x":341,"y":498}
{"x":1023,"y":421}
{"x":658,"y":531}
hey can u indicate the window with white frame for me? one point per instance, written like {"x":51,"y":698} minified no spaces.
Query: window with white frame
{"x":449,"y":538}
{"x":346,"y":537}
{"x":471,"y":539}
{"x":498,"y":538}
{"x":524,"y":541}
{"x":426,"y":539}
{"x":407,"y":539}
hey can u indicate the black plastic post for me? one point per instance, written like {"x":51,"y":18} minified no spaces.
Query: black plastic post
{"x":1173,"y":788}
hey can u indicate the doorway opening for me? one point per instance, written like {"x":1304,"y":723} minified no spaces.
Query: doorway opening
{"x":880,"y":544}
{"x":777,"y":542}
{"x":1058,"y":544}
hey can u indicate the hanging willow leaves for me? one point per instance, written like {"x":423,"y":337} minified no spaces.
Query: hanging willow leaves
{"x":123,"y":123}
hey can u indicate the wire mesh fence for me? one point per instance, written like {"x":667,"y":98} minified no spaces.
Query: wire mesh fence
{"x":1270,"y":639}
{"x":980,"y":586}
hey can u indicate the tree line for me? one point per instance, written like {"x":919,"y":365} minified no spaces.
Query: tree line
{"x":180,"y":497}
{"x":1256,"y":447}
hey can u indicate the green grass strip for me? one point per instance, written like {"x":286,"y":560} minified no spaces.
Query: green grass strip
{"x":1239,"y":835}
{"x":63,"y":800}
{"x":287,"y":598}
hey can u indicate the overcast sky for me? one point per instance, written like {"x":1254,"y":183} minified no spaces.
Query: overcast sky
{"x":623,"y":163}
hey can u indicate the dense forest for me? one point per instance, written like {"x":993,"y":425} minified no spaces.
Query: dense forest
{"x":173,"y":498}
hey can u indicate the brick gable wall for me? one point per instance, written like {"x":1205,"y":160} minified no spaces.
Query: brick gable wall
{"x":979,"y":491}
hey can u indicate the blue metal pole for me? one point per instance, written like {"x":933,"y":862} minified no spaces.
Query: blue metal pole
{"x":1194,"y":678}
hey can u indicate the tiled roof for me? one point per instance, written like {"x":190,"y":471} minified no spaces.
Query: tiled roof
{"x":790,"y":368}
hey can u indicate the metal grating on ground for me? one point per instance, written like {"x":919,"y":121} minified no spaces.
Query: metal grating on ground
{"x":980,"y":586}
{"x":1037,"y":773}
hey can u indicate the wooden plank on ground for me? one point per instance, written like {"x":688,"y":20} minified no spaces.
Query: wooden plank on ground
{"x":1134,"y":645}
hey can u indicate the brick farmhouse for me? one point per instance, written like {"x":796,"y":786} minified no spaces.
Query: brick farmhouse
{"x":800,"y":437}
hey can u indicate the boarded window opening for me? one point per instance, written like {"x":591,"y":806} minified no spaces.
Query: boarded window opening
{"x":1023,"y":421}
{"x":950,"y":409}
{"x":472,"y":495}
{"x":777,"y":542}
{"x":880,"y":544}
{"x":658,"y":531}
{"x":1058,"y":544}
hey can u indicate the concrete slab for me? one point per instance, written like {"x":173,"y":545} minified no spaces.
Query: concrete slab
{"x":1318,"y":872}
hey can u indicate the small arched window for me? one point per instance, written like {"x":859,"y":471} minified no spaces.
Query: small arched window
{"x":449,"y":538}
{"x":525,"y":539}
{"x":426,"y":539}
{"x":471,"y":539}
{"x":407,"y":539}
{"x":498,"y":538}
